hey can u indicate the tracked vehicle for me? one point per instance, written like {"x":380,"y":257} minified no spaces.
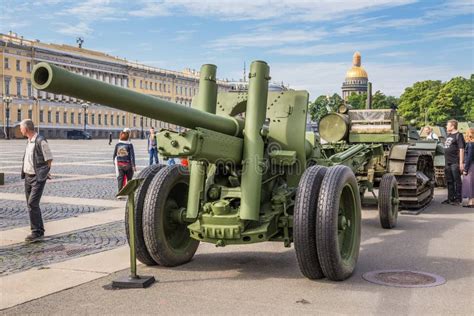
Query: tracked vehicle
{"x":379,"y":148}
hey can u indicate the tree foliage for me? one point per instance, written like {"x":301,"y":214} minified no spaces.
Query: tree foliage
{"x":324,"y":104}
{"x":435,"y":102}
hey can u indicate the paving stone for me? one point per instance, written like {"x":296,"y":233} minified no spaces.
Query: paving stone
{"x":15,"y":213}
{"x":89,"y":189}
{"x":63,"y":247}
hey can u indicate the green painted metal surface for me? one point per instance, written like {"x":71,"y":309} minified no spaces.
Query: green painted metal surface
{"x":53,"y":79}
{"x":253,"y":164}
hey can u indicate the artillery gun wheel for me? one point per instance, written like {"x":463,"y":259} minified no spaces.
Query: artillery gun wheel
{"x":142,"y":253}
{"x":304,"y":230}
{"x":388,"y":201}
{"x":166,"y":233}
{"x":338,"y":223}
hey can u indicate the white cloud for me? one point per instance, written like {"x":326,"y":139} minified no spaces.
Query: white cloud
{"x":79,"y":29}
{"x":333,"y":48}
{"x":454,"y":31}
{"x":287,"y":10}
{"x":267,"y":38}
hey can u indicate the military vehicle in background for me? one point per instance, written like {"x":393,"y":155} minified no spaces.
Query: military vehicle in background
{"x":384,"y":153}
{"x":436,"y":148}
{"x":251,"y":177}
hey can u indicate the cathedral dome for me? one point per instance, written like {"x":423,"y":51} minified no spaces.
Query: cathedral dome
{"x":357,"y":71}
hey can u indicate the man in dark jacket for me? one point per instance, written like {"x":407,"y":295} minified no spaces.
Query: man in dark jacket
{"x":35,"y":170}
{"x":454,"y":156}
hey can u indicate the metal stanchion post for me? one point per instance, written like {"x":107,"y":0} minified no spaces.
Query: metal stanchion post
{"x":133,"y":280}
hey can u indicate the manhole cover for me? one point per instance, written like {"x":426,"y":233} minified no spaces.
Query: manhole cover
{"x":404,"y":278}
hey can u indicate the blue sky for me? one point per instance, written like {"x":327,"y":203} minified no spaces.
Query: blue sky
{"x":308,"y":44}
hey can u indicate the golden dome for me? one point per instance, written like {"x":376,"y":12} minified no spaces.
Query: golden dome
{"x":357,"y":71}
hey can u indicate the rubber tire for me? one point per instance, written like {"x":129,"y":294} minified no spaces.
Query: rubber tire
{"x":140,"y":247}
{"x":388,"y":218}
{"x":304,"y":222}
{"x":334,"y":267}
{"x":154,"y":230}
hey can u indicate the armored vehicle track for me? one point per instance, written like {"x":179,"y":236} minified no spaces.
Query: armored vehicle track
{"x":416,"y":184}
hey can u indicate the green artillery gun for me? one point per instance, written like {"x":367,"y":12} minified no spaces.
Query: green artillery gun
{"x":249,"y":179}
{"x":384,"y":153}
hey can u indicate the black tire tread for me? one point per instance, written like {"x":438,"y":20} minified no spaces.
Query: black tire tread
{"x":387,"y":220}
{"x":326,"y":223}
{"x":304,"y":227}
{"x":155,"y":246}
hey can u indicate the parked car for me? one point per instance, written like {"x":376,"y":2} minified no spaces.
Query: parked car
{"x":77,"y":134}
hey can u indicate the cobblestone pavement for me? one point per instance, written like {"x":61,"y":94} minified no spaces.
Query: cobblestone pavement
{"x":59,"y":248}
{"x":81,"y":169}
{"x":15,"y":213}
{"x":87,"y":189}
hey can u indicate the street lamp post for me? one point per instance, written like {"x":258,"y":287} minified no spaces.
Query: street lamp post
{"x":7,"y":101}
{"x":37,"y":105}
{"x":84,"y":107}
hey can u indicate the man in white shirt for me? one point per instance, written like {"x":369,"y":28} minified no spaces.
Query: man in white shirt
{"x":430,"y":134}
{"x":35,"y":170}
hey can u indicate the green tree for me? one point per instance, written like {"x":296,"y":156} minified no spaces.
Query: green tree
{"x":358,"y":101}
{"x":324,"y":104}
{"x":454,"y":100}
{"x":381,"y":101}
{"x":416,"y":101}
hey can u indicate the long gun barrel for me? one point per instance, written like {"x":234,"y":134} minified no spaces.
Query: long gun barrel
{"x":53,"y":79}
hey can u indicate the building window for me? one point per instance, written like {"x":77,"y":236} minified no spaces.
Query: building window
{"x":112,"y":119}
{"x":64,"y":117}
{"x":29,"y":87}
{"x":181,"y":90}
{"x":41,"y":118}
{"x":123,"y":120}
{"x":57,"y":117}
{"x":118,"y":120}
{"x":141,"y":84}
{"x":79,"y":118}
{"x":49,"y":117}
{"x":169,"y":88}
{"x":18,"y":87}
{"x":28,"y":66}
{"x":156,"y":86}
{"x":5,"y":61}
{"x":72,"y":117}
{"x":19,"y":115}
{"x":160,"y":86}
{"x":99,"y":119}
{"x":134,"y":83}
{"x":18,"y":65}
{"x":134,"y":121}
{"x":93,"y":119}
{"x":176,"y":89}
{"x":105,"y":119}
{"x":7,"y":86}
{"x":30,"y":114}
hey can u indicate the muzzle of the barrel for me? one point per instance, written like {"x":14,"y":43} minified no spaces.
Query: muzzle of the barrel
{"x":54,"y":79}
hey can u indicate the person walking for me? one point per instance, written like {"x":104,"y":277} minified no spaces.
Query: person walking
{"x":468,"y":173}
{"x":36,"y":166}
{"x":454,"y":157}
{"x":110,"y":138}
{"x":430,"y":135}
{"x":152,"y":146}
{"x":124,"y":159}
